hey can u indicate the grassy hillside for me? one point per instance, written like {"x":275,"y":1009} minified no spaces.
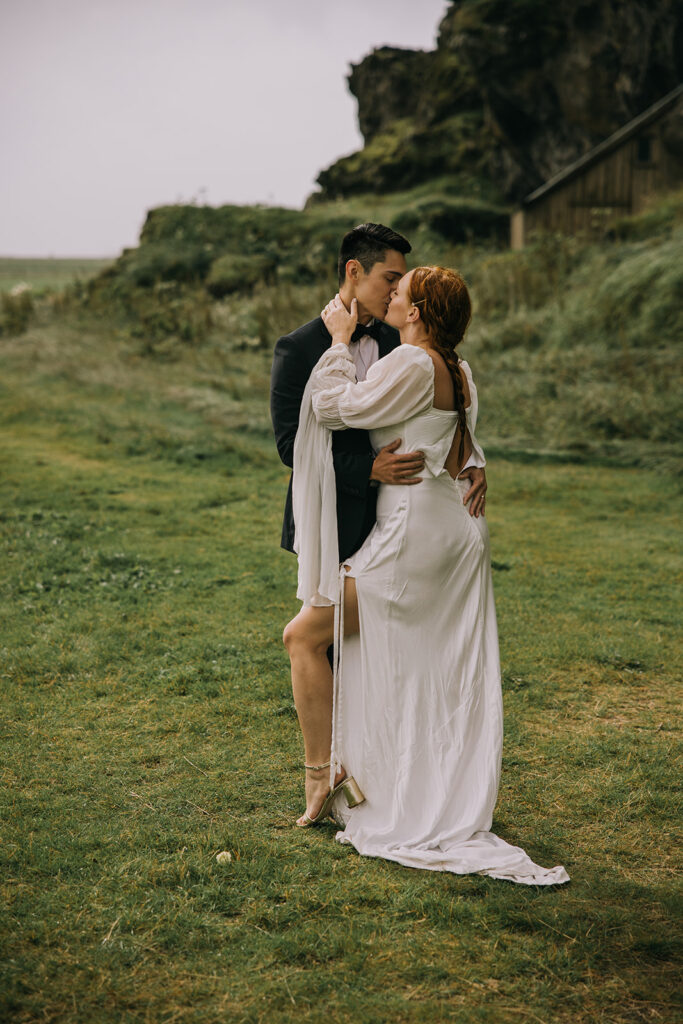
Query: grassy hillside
{"x":46,"y":274}
{"x":575,"y":346}
{"x":578,"y":347}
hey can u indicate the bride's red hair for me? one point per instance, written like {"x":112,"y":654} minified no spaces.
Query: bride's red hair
{"x":443,"y":300}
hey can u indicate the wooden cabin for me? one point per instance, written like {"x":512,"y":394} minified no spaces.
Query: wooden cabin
{"x":613,"y":180}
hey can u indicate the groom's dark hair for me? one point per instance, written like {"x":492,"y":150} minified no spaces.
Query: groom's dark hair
{"x":369,"y":243}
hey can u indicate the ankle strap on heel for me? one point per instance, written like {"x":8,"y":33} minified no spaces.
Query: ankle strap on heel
{"x":317,"y":767}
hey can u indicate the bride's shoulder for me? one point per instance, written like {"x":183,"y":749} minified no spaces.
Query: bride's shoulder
{"x":406,"y":355}
{"x":404,"y":361}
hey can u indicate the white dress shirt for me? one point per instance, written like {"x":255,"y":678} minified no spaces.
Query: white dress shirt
{"x":364,"y":353}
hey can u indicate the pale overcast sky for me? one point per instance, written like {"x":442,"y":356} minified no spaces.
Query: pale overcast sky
{"x":110,"y":107}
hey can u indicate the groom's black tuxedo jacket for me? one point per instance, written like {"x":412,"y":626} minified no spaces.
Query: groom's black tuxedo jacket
{"x":295,"y":356}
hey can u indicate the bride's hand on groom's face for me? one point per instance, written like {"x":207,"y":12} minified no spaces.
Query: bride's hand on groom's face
{"x":339,"y":321}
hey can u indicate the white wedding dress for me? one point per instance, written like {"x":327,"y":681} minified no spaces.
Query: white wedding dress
{"x":418,"y":708}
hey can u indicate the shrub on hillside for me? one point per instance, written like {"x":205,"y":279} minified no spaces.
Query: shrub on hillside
{"x":456,"y":220}
{"x":235,"y":273}
{"x":165,"y":316}
{"x":16,"y":310}
{"x":163,"y":261}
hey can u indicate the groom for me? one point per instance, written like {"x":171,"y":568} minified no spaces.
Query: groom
{"x":371,"y":262}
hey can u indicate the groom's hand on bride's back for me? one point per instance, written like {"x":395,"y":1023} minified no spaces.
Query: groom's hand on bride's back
{"x":391,"y":468}
{"x":476,"y":495}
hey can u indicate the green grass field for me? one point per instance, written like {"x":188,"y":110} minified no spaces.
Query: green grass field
{"x":47,"y":274}
{"x":147,"y":724}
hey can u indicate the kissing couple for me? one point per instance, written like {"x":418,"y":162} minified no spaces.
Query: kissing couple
{"x":375,"y":412}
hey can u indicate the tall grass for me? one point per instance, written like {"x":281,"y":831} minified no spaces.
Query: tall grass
{"x":578,"y":345}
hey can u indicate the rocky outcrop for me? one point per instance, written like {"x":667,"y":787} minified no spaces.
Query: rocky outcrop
{"x":392,"y":77}
{"x":512,"y":94}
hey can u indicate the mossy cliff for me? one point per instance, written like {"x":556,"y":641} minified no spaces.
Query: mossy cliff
{"x":513,"y":92}
{"x":191,"y":258}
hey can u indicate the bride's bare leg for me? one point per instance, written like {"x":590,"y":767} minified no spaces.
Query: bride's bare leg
{"x":307,"y":638}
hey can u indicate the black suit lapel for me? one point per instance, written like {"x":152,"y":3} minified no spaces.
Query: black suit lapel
{"x":389,"y":339}
{"x":320,"y":342}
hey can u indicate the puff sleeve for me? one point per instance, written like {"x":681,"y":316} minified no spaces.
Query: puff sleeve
{"x":397,"y":387}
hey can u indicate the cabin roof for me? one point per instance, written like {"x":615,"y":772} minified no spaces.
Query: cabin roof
{"x":603,"y":148}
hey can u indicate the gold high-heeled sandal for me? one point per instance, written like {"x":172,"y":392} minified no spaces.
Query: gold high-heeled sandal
{"x":348,"y":786}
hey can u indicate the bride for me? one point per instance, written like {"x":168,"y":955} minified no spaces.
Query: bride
{"x":416,"y":715}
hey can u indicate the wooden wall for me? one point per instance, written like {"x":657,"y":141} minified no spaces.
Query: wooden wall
{"x":616,"y":185}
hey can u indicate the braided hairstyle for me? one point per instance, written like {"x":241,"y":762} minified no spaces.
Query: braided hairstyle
{"x":445,"y":309}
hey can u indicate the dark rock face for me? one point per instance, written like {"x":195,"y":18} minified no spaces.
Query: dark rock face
{"x":514,"y":91}
{"x":390,"y":76}
{"x":556,"y":79}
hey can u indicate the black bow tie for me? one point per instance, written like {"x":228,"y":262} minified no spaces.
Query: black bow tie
{"x":374,"y":329}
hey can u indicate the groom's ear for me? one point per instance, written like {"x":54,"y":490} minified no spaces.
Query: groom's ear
{"x":354,"y":271}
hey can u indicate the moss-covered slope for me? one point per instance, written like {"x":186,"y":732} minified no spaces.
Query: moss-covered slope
{"x":576,"y":345}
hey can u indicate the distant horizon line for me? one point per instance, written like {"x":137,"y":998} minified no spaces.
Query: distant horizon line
{"x":53,"y":256}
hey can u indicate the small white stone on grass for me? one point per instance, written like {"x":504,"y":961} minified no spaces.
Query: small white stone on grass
{"x":224,"y":857}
